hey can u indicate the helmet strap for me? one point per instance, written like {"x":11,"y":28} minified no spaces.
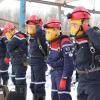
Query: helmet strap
{"x":78,"y":31}
{"x":80,"y":28}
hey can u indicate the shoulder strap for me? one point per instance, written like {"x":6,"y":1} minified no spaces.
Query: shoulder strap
{"x":40,"y":46}
{"x":92,"y":50}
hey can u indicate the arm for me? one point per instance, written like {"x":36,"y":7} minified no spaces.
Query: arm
{"x":94,"y":36}
{"x":68,"y":66}
{"x":12,"y":45}
{"x":41,"y":36}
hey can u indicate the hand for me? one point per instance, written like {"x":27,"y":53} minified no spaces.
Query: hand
{"x":7,"y":60}
{"x":62,"y":84}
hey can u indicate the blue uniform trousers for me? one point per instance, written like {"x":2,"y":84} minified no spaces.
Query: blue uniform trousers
{"x":37,"y":84}
{"x":56,"y":93}
{"x":89,"y":86}
{"x":4,"y":71}
{"x":19,"y":70}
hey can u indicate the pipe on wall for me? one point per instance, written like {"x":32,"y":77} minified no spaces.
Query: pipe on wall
{"x":22,"y":15}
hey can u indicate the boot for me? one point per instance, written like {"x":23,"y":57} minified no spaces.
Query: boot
{"x":22,"y":90}
{"x":35,"y":97}
{"x":6,"y":90}
{"x":40,"y":97}
{"x":1,"y":93}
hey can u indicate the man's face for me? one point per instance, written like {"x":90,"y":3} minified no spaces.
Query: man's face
{"x":75,"y":26}
{"x":10,"y":34}
{"x":52,"y":33}
{"x":31,"y":29}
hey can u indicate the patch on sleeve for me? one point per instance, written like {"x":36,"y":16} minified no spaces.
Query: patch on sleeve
{"x":68,"y":50}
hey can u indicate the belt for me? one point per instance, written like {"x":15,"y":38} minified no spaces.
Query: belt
{"x":87,"y":71}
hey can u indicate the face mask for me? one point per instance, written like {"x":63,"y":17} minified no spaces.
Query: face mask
{"x":52,"y":34}
{"x":10,"y":34}
{"x":32,"y":30}
{"x":75,"y":27}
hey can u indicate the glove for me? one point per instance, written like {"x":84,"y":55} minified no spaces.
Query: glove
{"x":62,"y":84}
{"x":85,"y":27}
{"x":7,"y":60}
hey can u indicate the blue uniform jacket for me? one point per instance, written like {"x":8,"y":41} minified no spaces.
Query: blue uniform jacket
{"x":61,"y":58}
{"x":34,"y":50}
{"x":3,"y":48}
{"x":83,"y":55}
{"x":17,"y":48}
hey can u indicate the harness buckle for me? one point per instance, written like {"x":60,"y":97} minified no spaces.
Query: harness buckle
{"x":92,"y":49}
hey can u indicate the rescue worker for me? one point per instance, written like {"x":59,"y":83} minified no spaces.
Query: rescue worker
{"x":37,"y":53}
{"x":17,"y":49}
{"x":87,"y":54}
{"x":4,"y":64}
{"x":4,"y":60}
{"x":60,"y":59}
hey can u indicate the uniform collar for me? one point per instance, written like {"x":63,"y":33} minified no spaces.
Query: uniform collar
{"x":82,"y":40}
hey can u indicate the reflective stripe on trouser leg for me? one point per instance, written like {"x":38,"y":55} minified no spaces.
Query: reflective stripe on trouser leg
{"x":38,"y":88}
{"x":4,"y":75}
{"x":20,"y":74}
{"x":20,"y":80}
{"x":3,"y":71}
{"x":38,"y":79}
{"x":54,"y":95}
{"x":62,"y":95}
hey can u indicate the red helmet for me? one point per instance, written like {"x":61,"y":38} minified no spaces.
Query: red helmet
{"x":8,"y":27}
{"x":80,"y":13}
{"x":34,"y":19}
{"x":53,"y":23}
